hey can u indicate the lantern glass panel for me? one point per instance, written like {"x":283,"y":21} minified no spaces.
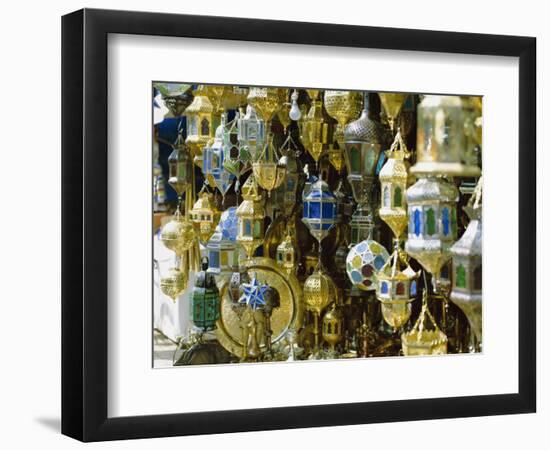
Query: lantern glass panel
{"x":247,"y":228}
{"x":214,"y":257}
{"x":397,"y":197}
{"x":460,"y":279}
{"x":314,"y":210}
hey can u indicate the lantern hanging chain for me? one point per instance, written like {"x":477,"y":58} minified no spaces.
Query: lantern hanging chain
{"x":400,"y":145}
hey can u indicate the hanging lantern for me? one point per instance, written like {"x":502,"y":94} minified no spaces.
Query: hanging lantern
{"x":392,"y":103}
{"x":363,"y":262}
{"x":251,"y":215}
{"x":173,"y":284}
{"x":318,"y":127}
{"x":252,"y":135}
{"x":178,"y":234}
{"x":396,"y":289}
{"x":202,"y":121}
{"x":466,"y":256}
{"x":266,"y":101}
{"x":286,"y":254}
{"x":159,"y":191}
{"x":180,"y":165}
{"x":222,"y":250}
{"x":205,"y":215}
{"x":268,"y":169}
{"x":425,"y":338}
{"x":393,"y":185}
{"x":319,"y":213}
{"x":213,"y":162}
{"x":286,"y":193}
{"x":441,"y":138}
{"x":333,"y":328}
{"x":361,"y":224}
{"x":176,"y":100}
{"x":205,"y":300}
{"x":235,"y":157}
{"x":432,"y":222}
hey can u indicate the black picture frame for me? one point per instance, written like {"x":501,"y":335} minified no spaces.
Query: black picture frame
{"x":84,"y":224}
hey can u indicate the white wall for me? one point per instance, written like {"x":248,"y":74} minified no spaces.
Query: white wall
{"x":30,"y":267}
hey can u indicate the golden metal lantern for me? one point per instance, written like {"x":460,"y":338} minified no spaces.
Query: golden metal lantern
{"x":173,"y":284}
{"x":180,"y":165}
{"x":286,"y":253}
{"x":251,"y":215}
{"x":441,"y":140}
{"x":421,"y":340}
{"x":202,"y":122}
{"x":178,"y":234}
{"x":317,"y":129}
{"x":224,"y":97}
{"x":343,"y":106}
{"x":392,"y":103}
{"x":333,"y":328}
{"x":266,"y":101}
{"x":205,"y":216}
{"x":268,"y":169}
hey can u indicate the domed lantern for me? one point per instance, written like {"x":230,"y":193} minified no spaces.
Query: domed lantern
{"x":222,"y":248}
{"x":173,"y":284}
{"x":441,"y":138}
{"x":333,"y":328}
{"x":432,"y":222}
{"x":205,"y":300}
{"x":178,"y":234}
{"x":466,"y":257}
{"x":266,"y":102}
{"x":180,"y":165}
{"x":251,"y":215}
{"x":363,"y":262}
{"x":318,"y":127}
{"x":396,"y":289}
{"x":252,"y":135}
{"x":319,"y":210}
{"x":213,"y":162}
{"x":202,"y":121}
{"x":205,"y":215}
{"x":268,"y":169}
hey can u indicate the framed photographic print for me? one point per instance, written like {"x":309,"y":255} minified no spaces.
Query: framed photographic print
{"x":273,"y":224}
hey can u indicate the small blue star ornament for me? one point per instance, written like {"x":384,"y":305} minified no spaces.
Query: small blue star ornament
{"x":254,"y":293}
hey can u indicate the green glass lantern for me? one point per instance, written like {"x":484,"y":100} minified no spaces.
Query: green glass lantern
{"x":205,"y":300}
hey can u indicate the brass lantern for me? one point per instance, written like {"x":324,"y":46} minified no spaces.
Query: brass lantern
{"x":213,"y":162}
{"x":202,"y":121}
{"x":180,"y":166}
{"x":333,"y":328}
{"x":286,"y":253}
{"x":392,"y":103}
{"x":393,"y":180}
{"x":178,"y":234}
{"x":252,"y":134}
{"x":250,"y":216}
{"x":397,"y":288}
{"x":266,"y":101}
{"x":205,"y":216}
{"x":173,"y":284}
{"x":432,"y":222}
{"x":441,"y":138}
{"x":318,"y":127}
{"x":286,"y":193}
{"x":268,"y":169}
{"x":467,"y":272}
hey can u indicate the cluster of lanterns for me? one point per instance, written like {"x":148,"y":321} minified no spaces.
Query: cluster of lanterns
{"x":257,"y":151}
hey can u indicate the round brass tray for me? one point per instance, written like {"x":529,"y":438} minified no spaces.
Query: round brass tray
{"x":288,"y":316}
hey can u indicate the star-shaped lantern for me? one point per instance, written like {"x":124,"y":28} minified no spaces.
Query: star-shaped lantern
{"x":254,"y":293}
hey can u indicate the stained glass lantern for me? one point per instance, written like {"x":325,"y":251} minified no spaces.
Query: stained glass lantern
{"x":393,"y":180}
{"x":205,"y":216}
{"x":441,"y":139}
{"x":320,"y":210}
{"x":252,"y":134}
{"x":213,"y":162}
{"x":251,"y":215}
{"x":318,"y":127}
{"x":268,"y":169}
{"x":205,"y":300}
{"x":202,"y":121}
{"x":425,"y":338}
{"x":180,"y":165}
{"x":236,"y":158}
{"x":363,"y":263}
{"x":432,"y":222}
{"x":222,"y":249}
{"x":466,"y":257}
{"x":333,"y":328}
{"x":396,"y":289}
{"x":178,"y":234}
{"x":286,"y":254}
{"x":173,"y":284}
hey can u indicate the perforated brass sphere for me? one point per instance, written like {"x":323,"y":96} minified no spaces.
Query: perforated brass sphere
{"x":178,"y":235}
{"x":173,"y":284}
{"x":319,"y":291}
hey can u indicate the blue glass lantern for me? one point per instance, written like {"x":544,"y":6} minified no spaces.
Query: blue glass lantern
{"x":222,"y":247}
{"x":213,"y":162}
{"x":320,"y":210}
{"x":252,"y":136}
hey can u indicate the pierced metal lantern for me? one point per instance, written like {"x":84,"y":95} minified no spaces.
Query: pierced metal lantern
{"x":222,"y":249}
{"x":396,"y":289}
{"x":251,"y":134}
{"x":432,"y":222}
{"x":425,"y":337}
{"x":173,"y":284}
{"x":286,"y":254}
{"x":202,"y":121}
{"x":320,"y":210}
{"x":441,"y":140}
{"x":251,"y":215}
{"x":213,"y":162}
{"x":235,"y":157}
{"x":178,"y":234}
{"x":266,"y":101}
{"x":392,"y":103}
{"x":363,"y":262}
{"x":268,"y":169}
{"x":393,"y":186}
{"x":205,"y":216}
{"x":333,"y":327}
{"x":180,"y":165}
{"x":467,"y":272}
{"x":318,"y":127}
{"x":205,"y":300}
